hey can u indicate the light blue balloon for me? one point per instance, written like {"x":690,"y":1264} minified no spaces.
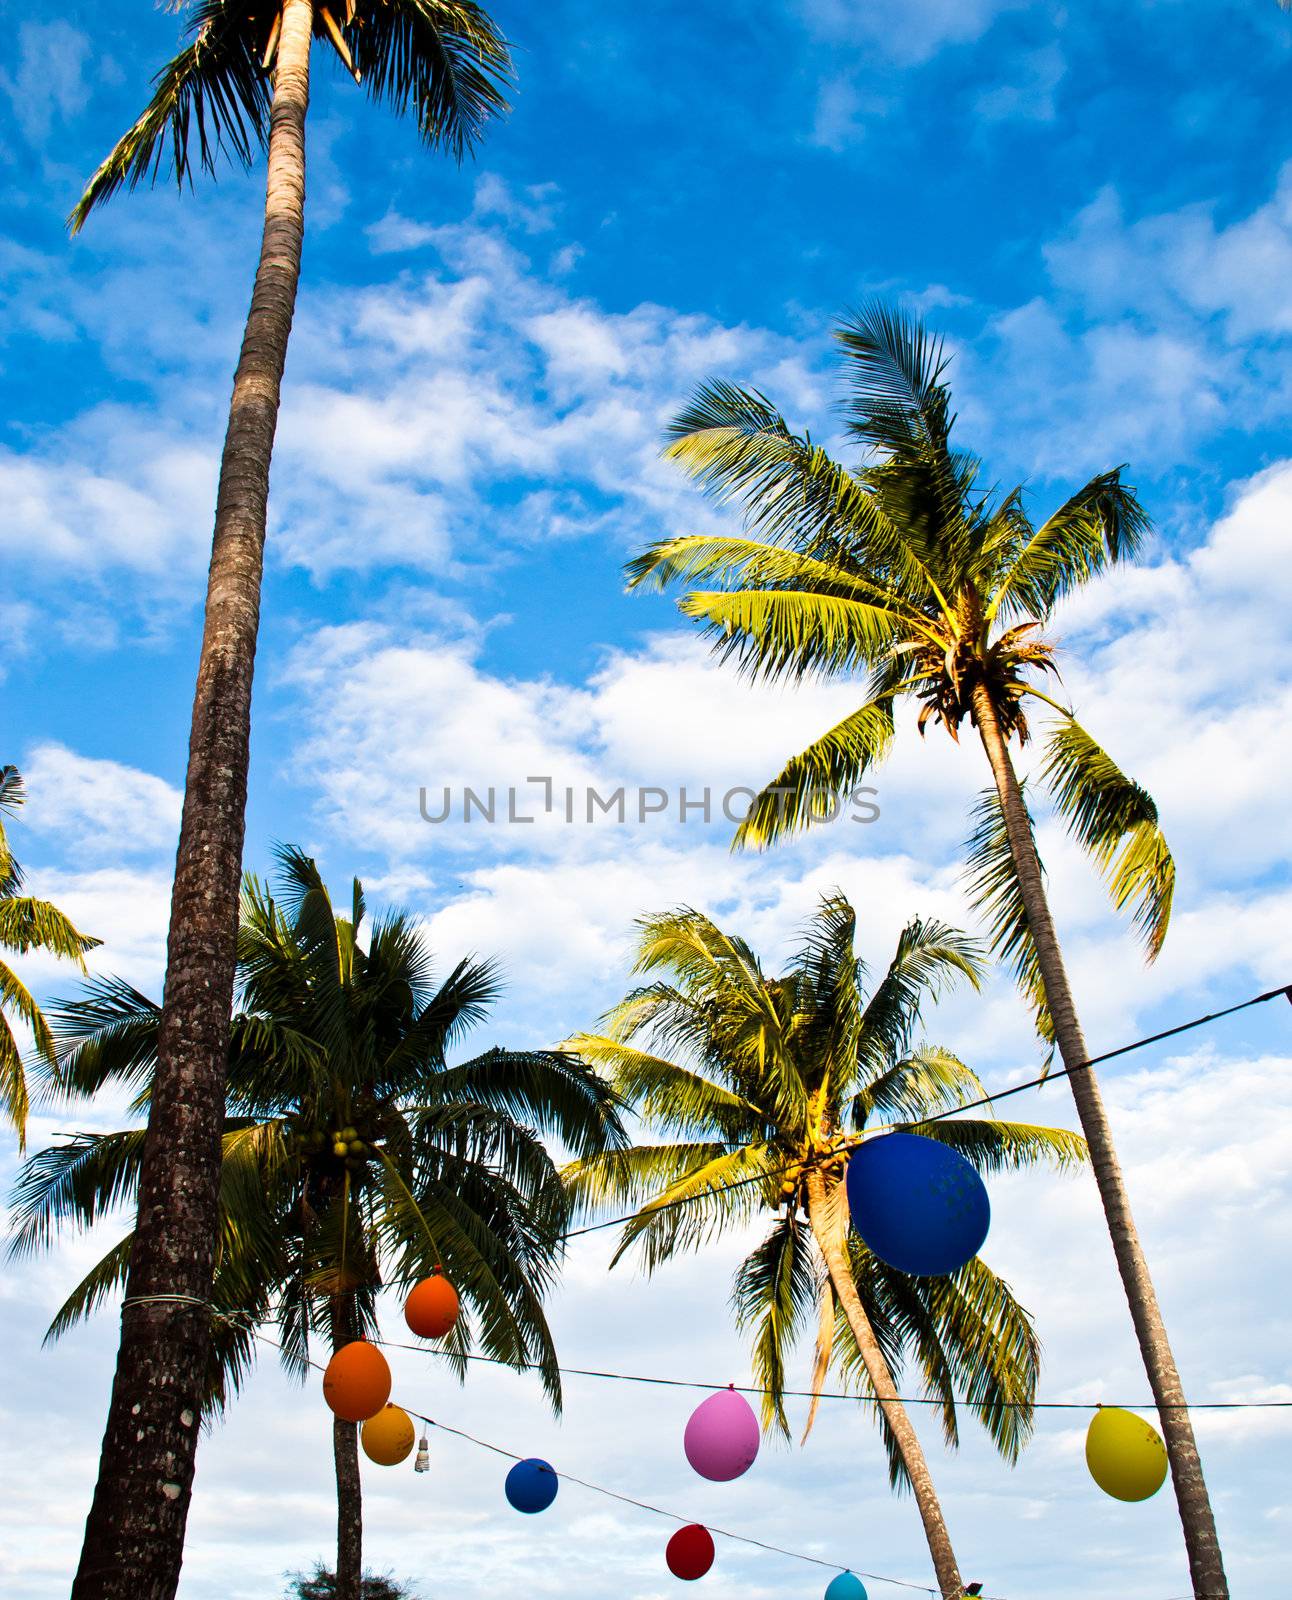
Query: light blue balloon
{"x":846,"y":1587}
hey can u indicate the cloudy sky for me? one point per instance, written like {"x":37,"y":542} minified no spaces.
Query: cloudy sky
{"x":1095,"y":204}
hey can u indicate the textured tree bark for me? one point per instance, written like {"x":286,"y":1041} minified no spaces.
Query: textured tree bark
{"x":349,"y":1488}
{"x":829,"y":1236}
{"x":1205,"y":1564}
{"x":134,"y":1534}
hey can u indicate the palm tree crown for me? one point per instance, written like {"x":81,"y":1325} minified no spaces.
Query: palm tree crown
{"x":911,"y":571}
{"x":742,"y":1076}
{"x":332,"y":1037}
{"x":442,"y":60}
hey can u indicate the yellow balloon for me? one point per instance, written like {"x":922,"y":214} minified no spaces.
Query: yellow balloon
{"x":388,"y":1437}
{"x":1125,"y":1454}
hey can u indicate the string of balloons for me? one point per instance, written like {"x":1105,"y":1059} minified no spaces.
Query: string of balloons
{"x":531,"y":1484}
{"x":917,"y":1204}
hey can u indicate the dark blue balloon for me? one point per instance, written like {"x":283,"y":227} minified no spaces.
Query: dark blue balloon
{"x":531,"y":1485}
{"x":918,"y":1204}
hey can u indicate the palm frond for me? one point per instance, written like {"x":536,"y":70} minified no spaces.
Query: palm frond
{"x":992,"y":882}
{"x":897,"y":369}
{"x":214,"y":95}
{"x":994,"y":1146}
{"x":27,"y":924}
{"x":670,"y":1098}
{"x":779,"y":634}
{"x":774,"y":1293}
{"x":550,"y":1090}
{"x":442,"y":60}
{"x":719,"y":1193}
{"x":740,"y":449}
{"x":929,"y":958}
{"x":827,"y":1311}
{"x":104,"y":1279}
{"x":1115,"y":821}
{"x":815,"y":783}
{"x":927,"y":1081}
{"x":107,"y":1034}
{"x":17,"y":998}
{"x":1103,"y":522}
{"x":77,"y":1182}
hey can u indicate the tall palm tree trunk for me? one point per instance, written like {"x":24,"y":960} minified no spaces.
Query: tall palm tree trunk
{"x":826,"y":1223}
{"x":1205,"y":1564}
{"x":349,"y":1488}
{"x":134,"y":1535}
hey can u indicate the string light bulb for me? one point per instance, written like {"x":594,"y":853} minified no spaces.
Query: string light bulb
{"x":423,"y":1461}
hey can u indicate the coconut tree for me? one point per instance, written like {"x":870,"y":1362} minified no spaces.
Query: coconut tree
{"x":353,"y":1155}
{"x":26,"y":924}
{"x":240,"y":83}
{"x":757,"y":1088}
{"x":912,"y":572}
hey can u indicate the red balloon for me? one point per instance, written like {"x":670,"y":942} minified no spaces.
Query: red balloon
{"x":690,"y":1552}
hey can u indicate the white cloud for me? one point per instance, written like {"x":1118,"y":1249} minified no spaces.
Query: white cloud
{"x":1031,"y":95}
{"x":96,"y":808}
{"x":905,"y":33}
{"x":48,"y":81}
{"x":1241,"y":271}
{"x":148,"y":510}
{"x":126,"y":908}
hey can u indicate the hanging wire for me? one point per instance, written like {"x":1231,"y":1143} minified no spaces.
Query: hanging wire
{"x":836,"y":1394}
{"x":1108,"y":1055}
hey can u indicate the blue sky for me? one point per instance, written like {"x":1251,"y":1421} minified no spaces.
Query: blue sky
{"x":1095,"y":204}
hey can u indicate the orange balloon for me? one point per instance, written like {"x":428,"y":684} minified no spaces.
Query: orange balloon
{"x":357,"y":1382}
{"x":432,"y":1308}
{"x":388,"y":1437}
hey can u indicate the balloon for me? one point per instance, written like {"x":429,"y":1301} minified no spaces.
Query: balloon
{"x":1125,"y":1454}
{"x":845,"y":1587}
{"x":690,"y":1552}
{"x":388,"y":1437}
{"x":432,"y":1308}
{"x":917,"y":1204}
{"x":721,"y":1438}
{"x":531,"y":1485}
{"x":357,"y":1382}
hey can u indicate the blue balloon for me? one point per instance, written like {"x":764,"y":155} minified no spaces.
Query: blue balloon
{"x":846,"y":1587}
{"x":531,"y":1485}
{"x":918,"y":1204}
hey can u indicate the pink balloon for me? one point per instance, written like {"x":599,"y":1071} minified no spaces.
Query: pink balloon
{"x":721,"y":1438}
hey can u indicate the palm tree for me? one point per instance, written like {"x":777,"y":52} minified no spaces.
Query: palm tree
{"x":240,"y":83}
{"x":759,"y":1087}
{"x":352,"y":1155}
{"x":910,"y":570}
{"x":26,"y":924}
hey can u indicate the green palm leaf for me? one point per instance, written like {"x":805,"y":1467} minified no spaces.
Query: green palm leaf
{"x":1115,"y":821}
{"x":992,"y":881}
{"x":212,"y":97}
{"x":1101,"y":523}
{"x":773,"y":1296}
{"x":812,"y":784}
